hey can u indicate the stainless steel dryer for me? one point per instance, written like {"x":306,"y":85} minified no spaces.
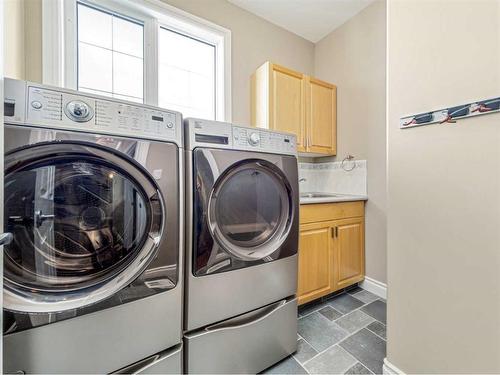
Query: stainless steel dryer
{"x":92,"y":197}
{"x":241,"y":247}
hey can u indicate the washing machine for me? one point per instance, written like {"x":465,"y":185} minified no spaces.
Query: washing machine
{"x":93,"y":204}
{"x":242,"y":210}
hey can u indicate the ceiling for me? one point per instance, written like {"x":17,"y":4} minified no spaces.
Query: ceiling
{"x":310,"y":19}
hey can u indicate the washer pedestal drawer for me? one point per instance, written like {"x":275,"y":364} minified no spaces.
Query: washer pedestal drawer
{"x":248,"y":343}
{"x":167,"y":362}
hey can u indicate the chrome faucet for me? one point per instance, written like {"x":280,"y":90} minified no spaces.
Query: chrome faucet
{"x":302,"y":179}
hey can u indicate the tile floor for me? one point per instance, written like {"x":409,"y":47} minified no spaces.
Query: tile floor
{"x":340,"y":334}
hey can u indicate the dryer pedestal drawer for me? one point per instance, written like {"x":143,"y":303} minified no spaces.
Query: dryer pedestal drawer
{"x":248,"y":343}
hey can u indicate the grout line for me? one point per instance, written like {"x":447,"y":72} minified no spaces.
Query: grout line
{"x":345,"y":338}
{"x":376,"y":334}
{"x":326,"y":303}
{"x":308,"y":343}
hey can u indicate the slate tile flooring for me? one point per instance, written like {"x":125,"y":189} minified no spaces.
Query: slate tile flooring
{"x":342,"y":334}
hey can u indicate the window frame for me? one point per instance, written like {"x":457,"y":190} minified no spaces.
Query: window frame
{"x":60,"y":43}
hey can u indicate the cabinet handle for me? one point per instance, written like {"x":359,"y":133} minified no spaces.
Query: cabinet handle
{"x":336,"y":231}
{"x":333,"y":232}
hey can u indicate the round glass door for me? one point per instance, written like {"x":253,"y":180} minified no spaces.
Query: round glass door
{"x":81,"y":219}
{"x":250,"y":211}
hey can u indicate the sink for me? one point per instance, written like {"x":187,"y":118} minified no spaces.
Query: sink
{"x":319,"y":195}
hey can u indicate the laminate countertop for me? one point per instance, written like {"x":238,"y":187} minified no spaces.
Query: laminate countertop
{"x":311,"y":198}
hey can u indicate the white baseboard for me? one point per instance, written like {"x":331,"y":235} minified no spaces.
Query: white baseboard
{"x":376,"y":287}
{"x":389,"y":369}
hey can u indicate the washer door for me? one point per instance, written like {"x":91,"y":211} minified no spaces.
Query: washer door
{"x":250,"y":210}
{"x":86,"y":221}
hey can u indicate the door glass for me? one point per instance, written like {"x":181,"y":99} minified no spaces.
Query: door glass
{"x":249,"y":207}
{"x":75,"y":223}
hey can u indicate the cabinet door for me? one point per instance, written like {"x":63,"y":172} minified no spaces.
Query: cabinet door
{"x":321,"y":120}
{"x":286,"y":107}
{"x":315,"y":261}
{"x":349,"y":252}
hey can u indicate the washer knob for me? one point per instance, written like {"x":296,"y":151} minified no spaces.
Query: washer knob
{"x":36,"y":104}
{"x":79,"y":111}
{"x":254,"y":139}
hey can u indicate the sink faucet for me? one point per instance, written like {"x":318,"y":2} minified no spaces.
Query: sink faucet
{"x":302,"y":179}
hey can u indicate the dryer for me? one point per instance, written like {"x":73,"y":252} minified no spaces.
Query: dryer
{"x":241,"y":247}
{"x":92,"y":198}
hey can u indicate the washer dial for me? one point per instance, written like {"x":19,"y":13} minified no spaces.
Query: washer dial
{"x":78,"y":111}
{"x":254,"y":139}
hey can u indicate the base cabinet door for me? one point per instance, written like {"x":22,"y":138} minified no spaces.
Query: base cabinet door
{"x":315,"y":261}
{"x":349,"y":259}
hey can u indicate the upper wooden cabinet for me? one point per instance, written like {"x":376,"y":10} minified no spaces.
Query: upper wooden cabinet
{"x":321,"y":116}
{"x":286,"y":100}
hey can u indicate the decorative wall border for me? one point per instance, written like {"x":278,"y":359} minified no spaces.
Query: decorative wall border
{"x":452,"y":114}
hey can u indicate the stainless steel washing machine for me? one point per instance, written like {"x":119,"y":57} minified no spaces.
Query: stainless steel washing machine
{"x":242,"y":210}
{"x":92,"y":198}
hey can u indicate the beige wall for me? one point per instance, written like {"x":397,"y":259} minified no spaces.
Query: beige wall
{"x":14,"y":55}
{"x":444,"y":189}
{"x":353,"y":57}
{"x":254,"y":41}
{"x":23,"y":39}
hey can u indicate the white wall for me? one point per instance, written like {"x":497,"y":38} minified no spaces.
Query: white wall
{"x":353,"y":57}
{"x":444,"y":189}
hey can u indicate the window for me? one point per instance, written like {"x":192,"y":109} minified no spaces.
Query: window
{"x":186,"y":80}
{"x":110,"y":54}
{"x":139,"y":51}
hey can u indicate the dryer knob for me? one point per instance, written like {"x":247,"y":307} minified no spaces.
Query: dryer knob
{"x":254,"y":139}
{"x":79,"y":111}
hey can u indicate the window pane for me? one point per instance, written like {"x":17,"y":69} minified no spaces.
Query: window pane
{"x":201,"y":92}
{"x":110,"y":54}
{"x":128,"y":37}
{"x":128,"y":98}
{"x":96,"y":92}
{"x":186,"y":75}
{"x":94,"y":26}
{"x":127,"y":75}
{"x":94,"y":67}
{"x":173,"y":85}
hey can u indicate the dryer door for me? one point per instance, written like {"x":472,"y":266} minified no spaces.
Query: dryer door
{"x":248,"y":209}
{"x":86,"y":221}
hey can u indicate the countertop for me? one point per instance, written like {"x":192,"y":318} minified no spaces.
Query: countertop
{"x":334,"y":198}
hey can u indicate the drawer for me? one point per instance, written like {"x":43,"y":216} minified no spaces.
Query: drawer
{"x":166,"y":362}
{"x":312,"y":213}
{"x":248,"y":343}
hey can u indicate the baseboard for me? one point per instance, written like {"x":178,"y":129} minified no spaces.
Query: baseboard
{"x":376,"y":287}
{"x":389,"y":369}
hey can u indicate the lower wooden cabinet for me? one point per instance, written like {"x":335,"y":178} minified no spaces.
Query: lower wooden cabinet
{"x":315,"y":266}
{"x":331,"y":248}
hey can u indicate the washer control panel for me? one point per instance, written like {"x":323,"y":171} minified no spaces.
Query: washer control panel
{"x":72,"y":110}
{"x":263,"y":140}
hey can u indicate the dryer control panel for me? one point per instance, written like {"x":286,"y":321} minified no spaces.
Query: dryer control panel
{"x":37,"y":105}
{"x":216,"y":134}
{"x":262,"y":140}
